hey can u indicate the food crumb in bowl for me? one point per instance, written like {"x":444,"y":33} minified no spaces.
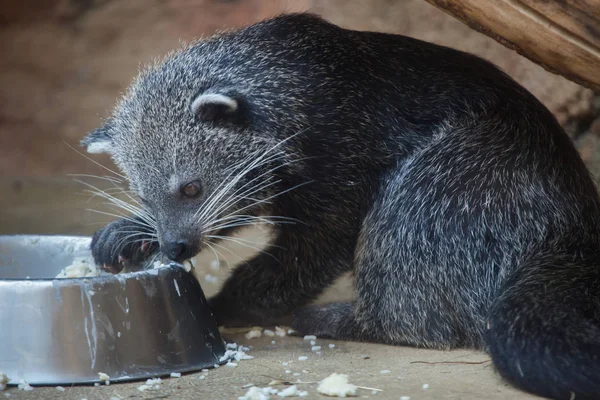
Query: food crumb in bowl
{"x":3,"y":381}
{"x":187,"y":265}
{"x":79,"y":268}
{"x":24,"y":386}
{"x":175,"y":375}
{"x":337,"y":385}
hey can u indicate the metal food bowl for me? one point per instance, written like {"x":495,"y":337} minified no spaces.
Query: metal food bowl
{"x":129,"y":326}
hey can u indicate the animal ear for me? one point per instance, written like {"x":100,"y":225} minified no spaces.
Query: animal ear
{"x":214,"y":106}
{"x":99,"y":140}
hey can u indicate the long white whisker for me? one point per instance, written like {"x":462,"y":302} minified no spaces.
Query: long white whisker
{"x":252,"y":165}
{"x":274,"y":196}
{"x":218,"y":194}
{"x":217,"y":253}
{"x":95,"y":162}
{"x":105,"y":177}
{"x":137,"y":211}
{"x":234,"y":240}
{"x":122,"y":216}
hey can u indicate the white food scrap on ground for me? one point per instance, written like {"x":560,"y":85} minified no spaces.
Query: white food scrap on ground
{"x":292,"y":391}
{"x":175,"y":375}
{"x":337,"y":385}
{"x":103,"y":377}
{"x":425,"y":386}
{"x":279,"y":331}
{"x":24,"y":386}
{"x":236,"y":353}
{"x":60,"y":388}
{"x":211,"y":278}
{"x":3,"y":381}
{"x":331,"y":345}
{"x":254,"y":333}
{"x":151,"y":384}
{"x":404,"y":397}
{"x":80,"y":268}
{"x":256,"y":393}
{"x":385,"y":371}
{"x":310,"y":337}
{"x":269,"y":332}
{"x":302,"y":358}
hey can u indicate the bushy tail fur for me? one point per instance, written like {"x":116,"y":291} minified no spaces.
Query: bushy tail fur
{"x":543,"y":331}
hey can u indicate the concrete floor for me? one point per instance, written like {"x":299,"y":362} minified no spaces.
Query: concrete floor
{"x":53,"y":206}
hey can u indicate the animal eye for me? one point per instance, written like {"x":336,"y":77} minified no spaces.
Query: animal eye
{"x":191,"y":189}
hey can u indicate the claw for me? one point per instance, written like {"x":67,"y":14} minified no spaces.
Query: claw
{"x":112,"y":269}
{"x":122,"y":259}
{"x":145,"y":246}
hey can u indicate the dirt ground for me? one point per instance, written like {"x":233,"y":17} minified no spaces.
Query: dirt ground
{"x":363,"y":363}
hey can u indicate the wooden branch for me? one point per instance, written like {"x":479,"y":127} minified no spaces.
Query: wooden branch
{"x":561,"y":36}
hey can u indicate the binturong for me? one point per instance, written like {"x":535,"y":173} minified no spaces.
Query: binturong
{"x":458,"y":202}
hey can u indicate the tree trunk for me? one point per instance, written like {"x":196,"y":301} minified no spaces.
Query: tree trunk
{"x":563,"y":36}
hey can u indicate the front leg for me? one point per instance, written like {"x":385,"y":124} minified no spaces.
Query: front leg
{"x":333,"y":321}
{"x":123,"y":243}
{"x":266,"y":289}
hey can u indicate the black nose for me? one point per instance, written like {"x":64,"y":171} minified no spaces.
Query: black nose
{"x":177,"y":251}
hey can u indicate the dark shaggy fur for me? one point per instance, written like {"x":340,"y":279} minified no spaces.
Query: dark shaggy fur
{"x":461,"y":206}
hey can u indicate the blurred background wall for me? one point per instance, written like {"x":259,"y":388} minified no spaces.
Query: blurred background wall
{"x":63,"y":63}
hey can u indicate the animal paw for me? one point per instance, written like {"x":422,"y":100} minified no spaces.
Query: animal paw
{"x":122,"y":243}
{"x":325,"y":321}
{"x":313,"y":321}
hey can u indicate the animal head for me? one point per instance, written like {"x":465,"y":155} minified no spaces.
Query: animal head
{"x":192,"y":139}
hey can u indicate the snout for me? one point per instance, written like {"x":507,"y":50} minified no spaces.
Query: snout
{"x":179,"y":251}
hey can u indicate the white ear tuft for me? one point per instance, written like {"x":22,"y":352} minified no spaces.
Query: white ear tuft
{"x":209,"y":106}
{"x":99,"y":140}
{"x":100,"y":147}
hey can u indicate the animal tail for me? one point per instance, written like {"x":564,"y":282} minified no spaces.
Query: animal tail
{"x":543,"y":330}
